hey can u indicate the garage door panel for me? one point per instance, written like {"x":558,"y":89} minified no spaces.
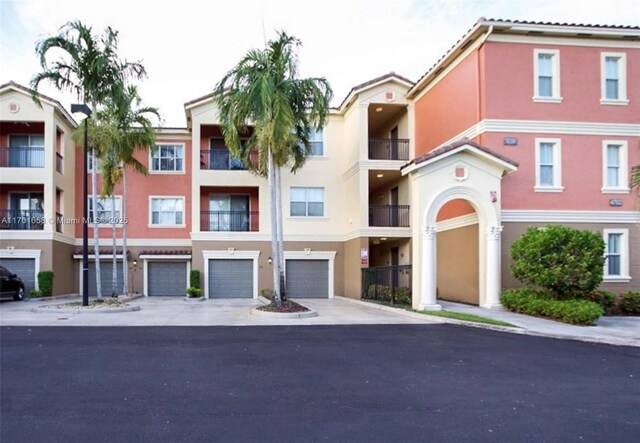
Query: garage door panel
{"x":25,"y":268}
{"x":106,"y":278}
{"x":307,"y":278}
{"x":230,"y":278}
{"x":166,"y":278}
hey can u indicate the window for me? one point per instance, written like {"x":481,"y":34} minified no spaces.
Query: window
{"x":548,"y":165}
{"x":546,"y":76}
{"x":307,"y":202}
{"x":26,"y":151}
{"x":167,"y":211}
{"x":107,"y":212}
{"x":614,"y":166}
{"x":316,"y":138}
{"x":167,"y":158}
{"x":614,"y":78}
{"x":616,"y":267}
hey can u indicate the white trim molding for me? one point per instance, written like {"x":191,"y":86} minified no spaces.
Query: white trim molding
{"x":458,"y":222}
{"x":555,"y":96}
{"x":230,"y":254}
{"x":167,"y":197}
{"x":11,"y":252}
{"x":622,"y":186}
{"x":146,"y":259}
{"x":621,"y":58}
{"x":556,"y":145}
{"x":315,"y":255}
{"x":169,"y":172}
{"x":546,"y":216}
{"x":624,"y":276}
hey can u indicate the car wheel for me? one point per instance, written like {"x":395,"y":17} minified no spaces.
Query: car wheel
{"x":19,"y":295}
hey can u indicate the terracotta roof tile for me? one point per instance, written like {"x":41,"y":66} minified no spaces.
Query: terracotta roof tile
{"x":165,"y":252}
{"x":448,"y":148}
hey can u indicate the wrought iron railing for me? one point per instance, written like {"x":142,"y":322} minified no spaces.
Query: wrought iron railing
{"x":238,"y":221}
{"x":22,"y":220}
{"x":388,"y":284}
{"x":389,"y":149}
{"x":389,"y":215}
{"x":222,"y":160}
{"x":22,"y":157}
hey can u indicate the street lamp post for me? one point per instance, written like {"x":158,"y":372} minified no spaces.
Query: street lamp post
{"x":84,"y":109}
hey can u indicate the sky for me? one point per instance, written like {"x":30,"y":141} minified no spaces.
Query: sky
{"x":186,"y":46}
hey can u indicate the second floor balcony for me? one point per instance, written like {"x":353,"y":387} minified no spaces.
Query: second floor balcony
{"x":397,"y":216}
{"x":388,"y":149}
{"x":229,"y":221}
{"x":222,"y":160}
{"x":22,"y":157}
{"x":21,"y":220}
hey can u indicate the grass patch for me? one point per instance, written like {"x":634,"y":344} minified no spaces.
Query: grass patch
{"x":467,"y":317}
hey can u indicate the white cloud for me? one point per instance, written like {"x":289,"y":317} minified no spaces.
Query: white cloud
{"x":186,"y":46}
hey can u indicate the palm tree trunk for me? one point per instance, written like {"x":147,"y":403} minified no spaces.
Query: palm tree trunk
{"x":96,"y":233}
{"x":283,"y":284}
{"x":114,"y":262}
{"x":274,"y":231}
{"x":125,"y":267}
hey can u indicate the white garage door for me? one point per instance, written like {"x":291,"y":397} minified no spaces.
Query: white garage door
{"x":166,"y":278}
{"x":106,"y":277}
{"x":307,"y":278}
{"x":25,"y":268}
{"x":230,"y":278}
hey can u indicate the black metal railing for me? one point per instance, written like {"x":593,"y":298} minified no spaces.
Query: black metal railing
{"x":388,"y":284}
{"x":388,"y":149}
{"x":22,"y":157}
{"x":238,"y":221}
{"x":59,"y":162}
{"x":58,"y":222}
{"x":389,"y":215}
{"x":222,"y":160}
{"x":21,"y":220}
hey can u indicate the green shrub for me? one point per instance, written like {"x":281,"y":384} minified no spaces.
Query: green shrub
{"x":194,"y":278}
{"x":34,"y":293}
{"x":45,"y":282}
{"x":385,"y":293}
{"x":565,"y":261}
{"x":630,"y":302}
{"x":605,"y":299}
{"x":531,"y":302}
{"x":194,"y":292}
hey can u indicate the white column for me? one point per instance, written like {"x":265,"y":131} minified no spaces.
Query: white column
{"x":428,"y":270}
{"x":492,"y":294}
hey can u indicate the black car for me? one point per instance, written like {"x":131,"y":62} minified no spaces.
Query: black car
{"x":11,"y":285}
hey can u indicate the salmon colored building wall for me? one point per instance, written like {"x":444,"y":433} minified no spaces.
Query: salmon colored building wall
{"x":139,"y":188}
{"x":449,"y":107}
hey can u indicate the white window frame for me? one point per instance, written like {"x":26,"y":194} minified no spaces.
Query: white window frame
{"x":555,"y":81}
{"x":167,"y":197}
{"x":175,"y":171}
{"x":624,"y":276}
{"x":557,"y":165}
{"x":321,"y":140}
{"x":622,"y":80}
{"x":118,"y":209}
{"x":623,"y":172}
{"x":311,"y":217}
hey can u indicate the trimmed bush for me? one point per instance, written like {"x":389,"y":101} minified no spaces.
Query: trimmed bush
{"x":194,"y":292}
{"x":565,"y":261}
{"x":194,"y":278}
{"x":605,"y":299}
{"x":387,"y":294}
{"x":630,"y":302}
{"x":34,"y":293}
{"x":531,"y":302}
{"x":45,"y":282}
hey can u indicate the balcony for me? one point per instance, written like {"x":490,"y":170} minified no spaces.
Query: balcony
{"x":396,"y":216}
{"x":21,"y":220}
{"x":229,"y":221}
{"x":22,"y":157}
{"x":388,"y":149}
{"x":222,"y":160}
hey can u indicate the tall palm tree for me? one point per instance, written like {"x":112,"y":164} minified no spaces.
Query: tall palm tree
{"x":263,"y":91}
{"x":89,"y":66}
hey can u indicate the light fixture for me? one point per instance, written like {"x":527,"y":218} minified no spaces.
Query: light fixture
{"x":379,"y":109}
{"x":270,"y":260}
{"x":383,"y":238}
{"x":135,"y":263}
{"x":380,"y":175}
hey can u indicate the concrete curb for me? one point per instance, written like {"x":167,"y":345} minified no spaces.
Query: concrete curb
{"x":50,"y":310}
{"x":193,"y":299}
{"x":512,"y":330}
{"x":293,"y":315}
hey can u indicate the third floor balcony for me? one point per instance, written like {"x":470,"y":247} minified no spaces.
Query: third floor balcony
{"x":396,"y":216}
{"x":22,"y":157}
{"x":388,"y":149}
{"x":220,"y":159}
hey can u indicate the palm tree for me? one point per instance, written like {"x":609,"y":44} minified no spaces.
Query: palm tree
{"x":263,"y":90}
{"x":89,"y":66}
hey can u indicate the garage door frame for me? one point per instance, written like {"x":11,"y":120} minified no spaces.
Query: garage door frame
{"x":314,"y":255}
{"x":231,"y":254}
{"x":11,"y":252}
{"x":146,"y":259}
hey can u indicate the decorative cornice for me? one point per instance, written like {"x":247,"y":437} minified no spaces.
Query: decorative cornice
{"x":545,"y":216}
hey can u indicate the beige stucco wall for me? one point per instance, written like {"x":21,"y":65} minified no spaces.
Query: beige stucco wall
{"x":64,"y":269}
{"x":457,"y":264}
{"x":352,"y":268}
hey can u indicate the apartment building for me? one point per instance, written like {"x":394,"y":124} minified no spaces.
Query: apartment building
{"x":519,"y":124}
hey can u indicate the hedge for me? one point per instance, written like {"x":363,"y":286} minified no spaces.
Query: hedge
{"x":194,"y":278}
{"x":531,"y":302}
{"x":45,"y":282}
{"x":630,"y":302}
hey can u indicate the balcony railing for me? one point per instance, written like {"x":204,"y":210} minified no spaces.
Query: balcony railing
{"x":22,"y":157}
{"x":389,"y":149}
{"x":59,"y":162}
{"x":237,"y":221}
{"x":389,"y":284}
{"x":21,"y":220}
{"x":389,"y":215}
{"x":222,"y":160}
